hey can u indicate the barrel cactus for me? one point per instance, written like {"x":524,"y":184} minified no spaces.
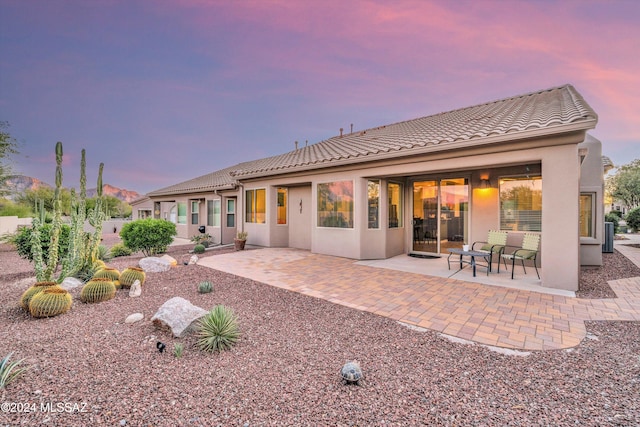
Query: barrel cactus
{"x":33,"y":290}
{"x":98,"y":265}
{"x":50,"y":302}
{"x":98,"y":290}
{"x":108,"y":273}
{"x":130,"y":275}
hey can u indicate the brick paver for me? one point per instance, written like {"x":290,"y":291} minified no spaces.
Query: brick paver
{"x":490,"y":315}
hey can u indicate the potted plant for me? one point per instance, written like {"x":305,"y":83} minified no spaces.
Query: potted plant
{"x":240,"y":240}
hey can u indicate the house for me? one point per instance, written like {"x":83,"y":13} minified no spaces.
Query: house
{"x":522,"y":164}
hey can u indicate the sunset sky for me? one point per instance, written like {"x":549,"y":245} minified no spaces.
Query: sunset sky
{"x":163,"y":91}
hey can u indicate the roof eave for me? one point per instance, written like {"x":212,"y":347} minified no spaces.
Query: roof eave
{"x":584,"y":125}
{"x":161,"y":193}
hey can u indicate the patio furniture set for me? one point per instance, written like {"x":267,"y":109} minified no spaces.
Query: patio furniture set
{"x":496,"y":246}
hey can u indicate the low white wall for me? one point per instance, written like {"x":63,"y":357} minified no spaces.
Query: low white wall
{"x":10,"y":224}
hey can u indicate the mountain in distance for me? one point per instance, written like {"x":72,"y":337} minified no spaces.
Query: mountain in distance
{"x":119,"y":193}
{"x":18,"y":184}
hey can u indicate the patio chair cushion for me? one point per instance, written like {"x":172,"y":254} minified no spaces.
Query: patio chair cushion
{"x":496,"y":241}
{"x":521,"y":254}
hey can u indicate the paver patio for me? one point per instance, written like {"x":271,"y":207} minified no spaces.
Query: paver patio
{"x":490,"y":315}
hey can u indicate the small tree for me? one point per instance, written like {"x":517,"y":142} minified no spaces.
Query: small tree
{"x":151,"y":236}
{"x":633,"y":219}
{"x":8,"y":146}
{"x":624,"y":185}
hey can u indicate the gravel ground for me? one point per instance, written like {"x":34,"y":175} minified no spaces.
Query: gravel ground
{"x":90,"y":368}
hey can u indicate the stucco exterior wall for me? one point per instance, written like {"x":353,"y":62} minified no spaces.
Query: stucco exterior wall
{"x":592,"y":182}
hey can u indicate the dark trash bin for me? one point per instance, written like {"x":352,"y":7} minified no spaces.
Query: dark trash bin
{"x":607,"y":246}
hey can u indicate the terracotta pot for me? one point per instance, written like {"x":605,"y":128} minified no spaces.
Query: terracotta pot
{"x":239,"y":244}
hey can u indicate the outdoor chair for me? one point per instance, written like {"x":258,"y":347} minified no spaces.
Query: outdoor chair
{"x":495,"y":244}
{"x":528,"y":251}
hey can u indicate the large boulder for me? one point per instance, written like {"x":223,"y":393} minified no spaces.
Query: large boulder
{"x":154,"y":265}
{"x":178,"y":315}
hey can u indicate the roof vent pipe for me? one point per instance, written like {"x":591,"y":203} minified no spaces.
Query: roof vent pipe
{"x":296,"y":145}
{"x":341,"y":132}
{"x":306,"y":142}
{"x":351,"y":128}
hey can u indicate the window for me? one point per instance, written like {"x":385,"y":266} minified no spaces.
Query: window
{"x":335,"y":204}
{"x":213,"y":213}
{"x":587,"y":207}
{"x":182,"y":213}
{"x":231,"y":212}
{"x":395,"y":205}
{"x":195,"y":211}
{"x":255,"y":206}
{"x":282,"y":206}
{"x":373,"y":203}
{"x":521,"y":203}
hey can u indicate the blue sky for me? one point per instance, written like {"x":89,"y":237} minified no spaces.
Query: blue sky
{"x":164,"y":91}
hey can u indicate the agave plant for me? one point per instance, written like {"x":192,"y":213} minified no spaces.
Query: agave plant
{"x":9,"y":371}
{"x":218,"y":330}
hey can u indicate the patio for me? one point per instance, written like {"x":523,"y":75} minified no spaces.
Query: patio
{"x":495,"y":310}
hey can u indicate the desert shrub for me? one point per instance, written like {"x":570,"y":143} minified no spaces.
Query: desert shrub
{"x":615,"y":219}
{"x":151,"y":236}
{"x":119,"y":249}
{"x":205,"y":287}
{"x":633,"y":219}
{"x":9,"y":208}
{"x":198,"y":249}
{"x":22,"y":241}
{"x":218,"y":329}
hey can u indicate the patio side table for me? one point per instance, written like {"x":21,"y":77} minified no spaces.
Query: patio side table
{"x":472,"y":262}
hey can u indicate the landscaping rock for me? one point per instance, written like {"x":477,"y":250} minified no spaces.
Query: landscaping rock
{"x":133,"y":318}
{"x":177,"y":314}
{"x":154,"y":265}
{"x":193,"y":260}
{"x":136,"y":289}
{"x":71,"y":283}
{"x":171,"y":260}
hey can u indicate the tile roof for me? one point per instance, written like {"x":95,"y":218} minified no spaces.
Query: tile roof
{"x":218,"y":180}
{"x":546,"y":112}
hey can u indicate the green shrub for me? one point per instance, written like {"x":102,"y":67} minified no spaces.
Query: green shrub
{"x":9,"y":371}
{"x":615,"y":219}
{"x":151,"y":236}
{"x":119,"y":249}
{"x":205,"y":287}
{"x":633,"y":219}
{"x":22,"y":241}
{"x":218,"y":330}
{"x":198,"y":249}
{"x":9,"y":208}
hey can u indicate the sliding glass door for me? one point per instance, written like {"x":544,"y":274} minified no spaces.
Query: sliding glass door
{"x":440,"y":214}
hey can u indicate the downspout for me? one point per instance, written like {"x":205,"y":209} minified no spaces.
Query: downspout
{"x":215,"y":193}
{"x":241,"y":197}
